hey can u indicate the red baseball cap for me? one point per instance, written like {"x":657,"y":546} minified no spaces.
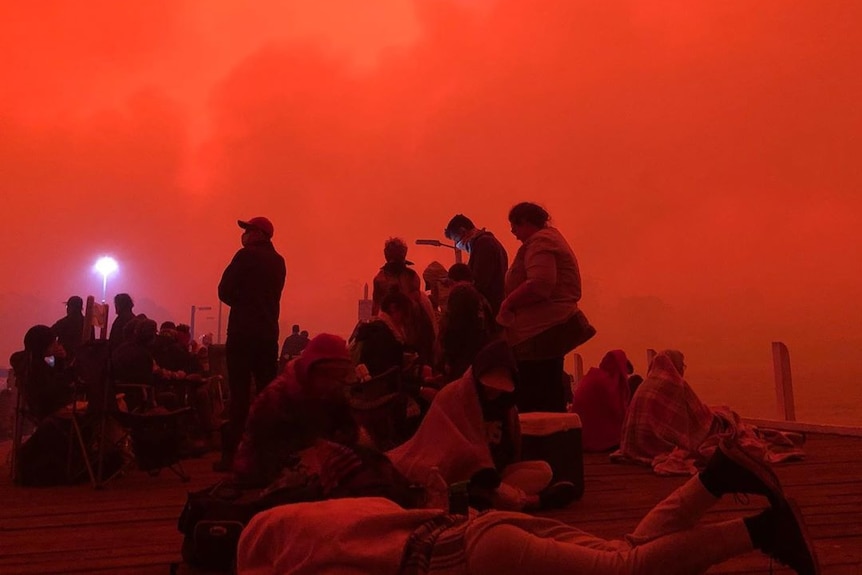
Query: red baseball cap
{"x":259,"y":223}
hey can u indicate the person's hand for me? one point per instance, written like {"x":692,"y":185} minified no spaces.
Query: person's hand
{"x":506,"y":316}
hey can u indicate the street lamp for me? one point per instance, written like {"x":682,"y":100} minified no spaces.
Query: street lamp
{"x":439,"y":244}
{"x":105,"y":265}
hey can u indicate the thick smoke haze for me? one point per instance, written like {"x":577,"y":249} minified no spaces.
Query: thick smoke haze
{"x":703,"y":159}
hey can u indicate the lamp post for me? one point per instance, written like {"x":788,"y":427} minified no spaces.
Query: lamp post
{"x":439,"y":244}
{"x":196,"y":309}
{"x":105,"y":265}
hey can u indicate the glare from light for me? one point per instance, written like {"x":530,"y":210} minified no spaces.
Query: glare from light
{"x":105,"y":265}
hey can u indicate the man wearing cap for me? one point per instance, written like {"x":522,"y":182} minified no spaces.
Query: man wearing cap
{"x":251,"y":285}
{"x":488,"y":258}
{"x":70,"y":329}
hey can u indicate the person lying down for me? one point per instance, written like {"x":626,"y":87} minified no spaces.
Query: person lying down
{"x":374,"y":535}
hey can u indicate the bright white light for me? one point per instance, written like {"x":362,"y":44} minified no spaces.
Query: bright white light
{"x":105,"y":265}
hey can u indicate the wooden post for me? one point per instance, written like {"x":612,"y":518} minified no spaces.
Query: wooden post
{"x":783,"y":382}
{"x":650,"y":355}
{"x":578,"y":367}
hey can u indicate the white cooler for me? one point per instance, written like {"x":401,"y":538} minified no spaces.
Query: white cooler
{"x":555,"y":438}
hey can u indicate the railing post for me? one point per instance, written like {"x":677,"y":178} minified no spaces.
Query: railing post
{"x":783,"y":382}
{"x":577,"y":367}
{"x":650,"y":355}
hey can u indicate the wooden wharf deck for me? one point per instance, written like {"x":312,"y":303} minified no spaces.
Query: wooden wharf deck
{"x":129,"y":527}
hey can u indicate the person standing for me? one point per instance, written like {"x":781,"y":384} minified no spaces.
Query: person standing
{"x":488,"y":258}
{"x":543,"y":287}
{"x":251,"y":285}
{"x":123,"y":305}
{"x":70,"y":328}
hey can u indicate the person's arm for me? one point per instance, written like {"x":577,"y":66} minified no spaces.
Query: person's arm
{"x":541,"y":278}
{"x":228,"y":287}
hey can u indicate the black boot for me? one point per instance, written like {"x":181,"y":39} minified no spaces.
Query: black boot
{"x":733,"y":470}
{"x":780,"y":533}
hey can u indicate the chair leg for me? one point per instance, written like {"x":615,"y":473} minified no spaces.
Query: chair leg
{"x":177,"y":468}
{"x":85,"y":454}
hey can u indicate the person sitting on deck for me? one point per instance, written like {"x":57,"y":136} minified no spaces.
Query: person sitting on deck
{"x":387,"y":397}
{"x":46,"y":382}
{"x":466,"y":325}
{"x":669,"y":428}
{"x":472,"y":433}
{"x":305,"y":403}
{"x":375,"y":535}
{"x":601,"y":399}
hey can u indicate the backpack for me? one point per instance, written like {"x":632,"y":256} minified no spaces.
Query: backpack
{"x":213,"y":518}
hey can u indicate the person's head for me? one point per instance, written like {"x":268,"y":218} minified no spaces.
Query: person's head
{"x":395,"y":251}
{"x":457,"y":230}
{"x":433,"y":274}
{"x":526,"y":219}
{"x":460,"y":272}
{"x":324,"y":367}
{"x":168,"y":325}
{"x":184,"y":334}
{"x":40,"y":341}
{"x":495,"y":371}
{"x":123,"y":302}
{"x":256,"y":230}
{"x":676,"y":358}
{"x":396,"y":305}
{"x":146,"y":330}
{"x":295,"y":328}
{"x":304,"y":333}
{"x":74,"y":305}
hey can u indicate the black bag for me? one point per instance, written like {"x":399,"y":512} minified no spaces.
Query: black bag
{"x":557,"y":340}
{"x":213,"y":518}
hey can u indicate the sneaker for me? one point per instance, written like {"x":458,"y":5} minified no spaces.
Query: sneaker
{"x":790,"y":544}
{"x":557,"y":495}
{"x":734,"y":470}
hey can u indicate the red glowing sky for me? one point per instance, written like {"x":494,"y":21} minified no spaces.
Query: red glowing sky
{"x":703,"y":159}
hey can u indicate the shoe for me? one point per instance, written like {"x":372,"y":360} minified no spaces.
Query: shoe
{"x":790,"y":543}
{"x":557,"y":495}
{"x":733,"y":470}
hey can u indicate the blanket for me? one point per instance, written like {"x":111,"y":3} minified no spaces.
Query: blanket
{"x":669,"y":428}
{"x":600,"y":399}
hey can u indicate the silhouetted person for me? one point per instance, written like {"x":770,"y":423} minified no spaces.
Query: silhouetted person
{"x":45,"y":383}
{"x":123,"y":305}
{"x":543,"y":287}
{"x":293,"y":344}
{"x":70,"y":329}
{"x":466,"y":325}
{"x":251,"y":285}
{"x":488,"y":259}
{"x":396,"y":275}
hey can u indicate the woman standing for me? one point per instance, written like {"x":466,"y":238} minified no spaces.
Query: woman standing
{"x":540,"y":313}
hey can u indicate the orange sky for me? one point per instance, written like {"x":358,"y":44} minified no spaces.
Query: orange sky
{"x":703,"y":159}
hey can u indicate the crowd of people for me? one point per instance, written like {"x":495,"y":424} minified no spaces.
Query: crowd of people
{"x":431,"y":388}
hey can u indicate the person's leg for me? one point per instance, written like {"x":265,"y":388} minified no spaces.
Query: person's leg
{"x":520,"y":485}
{"x":540,"y":385}
{"x":239,"y":383}
{"x":264,"y":366}
{"x":509,"y":549}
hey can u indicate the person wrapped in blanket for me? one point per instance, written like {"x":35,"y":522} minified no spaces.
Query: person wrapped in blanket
{"x":360,"y":535}
{"x":471,"y":433}
{"x":670,"y":429}
{"x":304,"y":404}
{"x":601,"y":399}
